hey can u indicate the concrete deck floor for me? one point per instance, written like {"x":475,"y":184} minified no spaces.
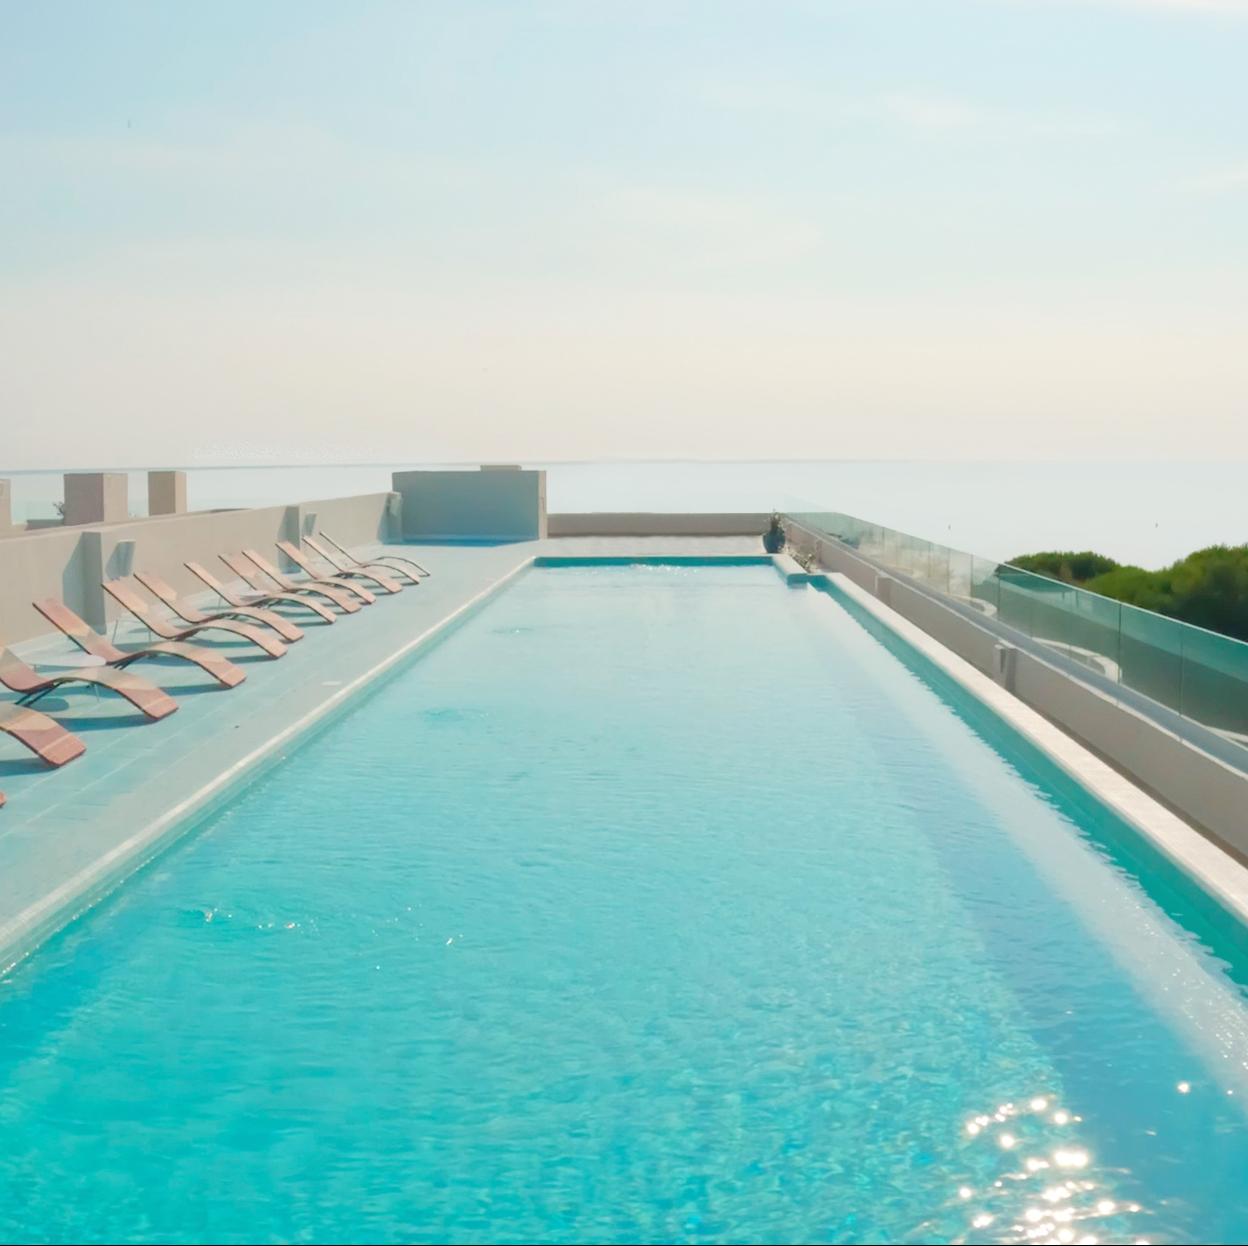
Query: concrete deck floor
{"x":68,"y":836}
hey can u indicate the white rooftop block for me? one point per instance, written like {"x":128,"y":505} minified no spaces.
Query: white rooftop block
{"x":490,"y":505}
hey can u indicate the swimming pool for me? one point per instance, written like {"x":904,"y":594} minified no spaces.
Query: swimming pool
{"x":654,"y":903}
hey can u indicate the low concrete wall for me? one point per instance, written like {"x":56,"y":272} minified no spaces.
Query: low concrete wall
{"x":1208,"y":792}
{"x":607,"y":523}
{"x":70,"y":563}
{"x":975,"y":645}
{"x":45,"y":563}
{"x":494,"y":504}
{"x":1196,"y":785}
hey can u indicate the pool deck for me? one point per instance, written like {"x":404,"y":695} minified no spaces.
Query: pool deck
{"x":69,"y":836}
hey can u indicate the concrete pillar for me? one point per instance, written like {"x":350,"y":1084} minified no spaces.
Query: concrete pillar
{"x":1004,"y":664}
{"x":92,"y":605}
{"x":102,"y":555}
{"x":6,"y":507}
{"x":96,"y":497}
{"x":166,"y":493}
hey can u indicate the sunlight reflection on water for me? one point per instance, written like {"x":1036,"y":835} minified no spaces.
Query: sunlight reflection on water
{"x":1041,"y":1182}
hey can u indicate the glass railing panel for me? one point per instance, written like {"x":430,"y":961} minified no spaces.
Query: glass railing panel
{"x":1052,"y":612}
{"x":985,"y":594}
{"x":892,"y":548}
{"x":941,"y":563}
{"x":1097,"y":632}
{"x":1151,"y":656}
{"x":921,"y":562}
{"x":961,"y":575}
{"x":1016,"y":600}
{"x":1215,"y":681}
{"x":936,"y":567}
{"x":1084,"y":627}
{"x":911,"y":552}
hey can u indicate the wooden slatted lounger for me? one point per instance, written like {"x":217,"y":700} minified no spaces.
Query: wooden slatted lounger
{"x":30,"y":685}
{"x":341,"y":565}
{"x":44,"y":736}
{"x":380,"y":560}
{"x":47,"y":739}
{"x":349,"y":578}
{"x":260,"y":598}
{"x":163,"y":591}
{"x":124,"y":595}
{"x":252,"y":574}
{"x":65,"y":620}
{"x":321,"y":581}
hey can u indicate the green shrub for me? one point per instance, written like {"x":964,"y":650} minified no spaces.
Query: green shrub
{"x":1074,"y":568}
{"x":1208,"y":588}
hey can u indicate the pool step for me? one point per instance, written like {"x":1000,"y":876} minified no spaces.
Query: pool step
{"x":792,"y":572}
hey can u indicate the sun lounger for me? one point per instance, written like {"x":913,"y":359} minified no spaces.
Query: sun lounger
{"x":357,"y":591}
{"x":30,"y":685}
{"x":47,"y":739}
{"x":380,"y":560}
{"x":254,"y":575}
{"x":343,"y":567}
{"x":124,"y":595}
{"x":259,"y":597}
{"x":386,"y":583}
{"x":164,"y":592}
{"x":211,"y":662}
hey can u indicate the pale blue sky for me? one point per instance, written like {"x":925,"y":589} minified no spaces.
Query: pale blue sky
{"x":865,"y":228}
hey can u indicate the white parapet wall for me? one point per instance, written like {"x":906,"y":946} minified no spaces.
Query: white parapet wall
{"x":70,"y":563}
{"x":499,"y":503}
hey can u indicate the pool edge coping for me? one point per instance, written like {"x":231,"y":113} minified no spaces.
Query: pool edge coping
{"x":1213,"y":869}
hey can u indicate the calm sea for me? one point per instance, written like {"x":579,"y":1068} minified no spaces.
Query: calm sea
{"x":1145,"y":513}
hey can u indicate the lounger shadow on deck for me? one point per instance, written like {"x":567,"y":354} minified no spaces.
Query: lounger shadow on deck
{"x":29,"y":764}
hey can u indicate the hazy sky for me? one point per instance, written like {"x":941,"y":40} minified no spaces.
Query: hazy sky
{"x":316,"y":231}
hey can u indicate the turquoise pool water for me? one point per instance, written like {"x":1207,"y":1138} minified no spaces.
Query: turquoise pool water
{"x":656,"y":903}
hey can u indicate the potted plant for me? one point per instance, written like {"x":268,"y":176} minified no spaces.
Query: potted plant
{"x":773,"y":538}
